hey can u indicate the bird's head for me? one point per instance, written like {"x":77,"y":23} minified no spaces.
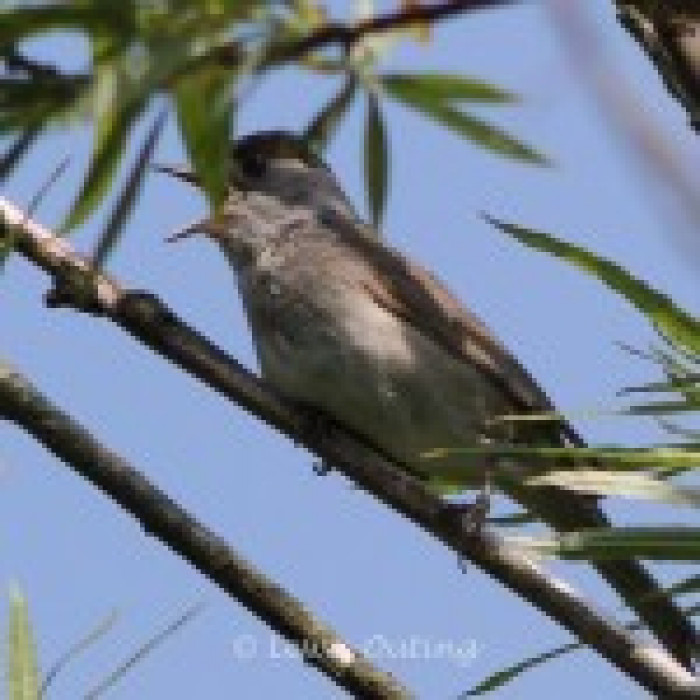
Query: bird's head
{"x":281,"y":166}
{"x":274,"y":177}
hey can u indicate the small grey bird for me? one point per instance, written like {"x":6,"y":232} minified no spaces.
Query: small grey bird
{"x":345,"y":324}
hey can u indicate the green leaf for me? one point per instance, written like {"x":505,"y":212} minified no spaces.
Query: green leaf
{"x":376,"y":150}
{"x":606,"y":483}
{"x":325,"y":124}
{"x":117,"y":98}
{"x":542,"y":460}
{"x":688,"y":585}
{"x":500,"y":678}
{"x":32,"y":103}
{"x":205,"y":110}
{"x":506,"y":675}
{"x":511,"y":520}
{"x":681,"y":374}
{"x":483,"y":134}
{"x":681,"y":384}
{"x":445,"y":86}
{"x":13,"y":156}
{"x":659,"y":408}
{"x":130,"y":192}
{"x":671,"y":320}
{"x":656,"y":543}
{"x":23,"y":672}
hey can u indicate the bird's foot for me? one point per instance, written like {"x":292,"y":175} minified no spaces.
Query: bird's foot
{"x":316,"y":430}
{"x":473,"y":516}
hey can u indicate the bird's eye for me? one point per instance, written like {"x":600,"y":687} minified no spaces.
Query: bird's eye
{"x":253,"y":165}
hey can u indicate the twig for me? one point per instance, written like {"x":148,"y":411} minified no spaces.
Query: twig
{"x":348,"y":34}
{"x":320,"y":646}
{"x":149,"y":320}
{"x":640,"y":132}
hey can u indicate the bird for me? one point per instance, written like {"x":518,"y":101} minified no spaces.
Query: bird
{"x":346,"y":325}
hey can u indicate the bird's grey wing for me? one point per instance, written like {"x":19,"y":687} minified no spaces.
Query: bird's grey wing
{"x":414,"y":294}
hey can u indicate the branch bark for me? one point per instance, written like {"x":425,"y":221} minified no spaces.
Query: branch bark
{"x":346,"y":35}
{"x":149,"y":320}
{"x":320,"y":646}
{"x":669,"y":33}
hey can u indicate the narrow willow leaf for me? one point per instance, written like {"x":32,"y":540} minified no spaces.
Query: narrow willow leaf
{"x":605,"y":483}
{"x":76,"y":649}
{"x":444,"y":86}
{"x":8,"y":163}
{"x":51,"y":180}
{"x":23,"y":674}
{"x":13,"y":156}
{"x":661,"y":408}
{"x":679,"y":368}
{"x":376,"y":150}
{"x":33,"y":103}
{"x":506,"y":675}
{"x":103,"y":169}
{"x":481,"y":133}
{"x":682,"y":383}
{"x":117,"y":100}
{"x":205,"y":110}
{"x":144,"y":650}
{"x":543,"y":460}
{"x":511,"y":520}
{"x":500,"y":678}
{"x":656,"y":543}
{"x":688,"y":585}
{"x":129,"y":194}
{"x":325,"y":124}
{"x":673,"y":321}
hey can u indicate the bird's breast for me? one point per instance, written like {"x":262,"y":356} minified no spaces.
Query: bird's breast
{"x":325,"y":343}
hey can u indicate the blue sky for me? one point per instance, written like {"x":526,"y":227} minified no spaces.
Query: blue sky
{"x":362,"y":568}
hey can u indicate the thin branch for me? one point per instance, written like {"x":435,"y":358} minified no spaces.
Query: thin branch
{"x":349,"y":34}
{"x":668,"y":34}
{"x":657,"y":153}
{"x":149,"y":320}
{"x":346,"y":35}
{"x":320,"y":646}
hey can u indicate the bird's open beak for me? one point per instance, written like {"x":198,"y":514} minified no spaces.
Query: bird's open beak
{"x":181,"y":172}
{"x":186,"y":174}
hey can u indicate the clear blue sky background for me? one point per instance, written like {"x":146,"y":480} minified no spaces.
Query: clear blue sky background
{"x":357,"y":565}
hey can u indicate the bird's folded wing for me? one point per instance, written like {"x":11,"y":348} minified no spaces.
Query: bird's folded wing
{"x":415,"y":295}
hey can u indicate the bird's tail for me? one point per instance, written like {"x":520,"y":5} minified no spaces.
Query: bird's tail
{"x":566,"y":510}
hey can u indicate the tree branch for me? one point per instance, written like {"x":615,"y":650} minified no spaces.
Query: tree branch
{"x":320,"y":646}
{"x":348,"y":34}
{"x":657,"y":153}
{"x":149,"y":320}
{"x":669,"y":33}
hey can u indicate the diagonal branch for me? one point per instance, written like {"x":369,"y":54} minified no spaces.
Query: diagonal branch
{"x":149,"y":320}
{"x":320,"y":646}
{"x":668,"y":33}
{"x":347,"y":34}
